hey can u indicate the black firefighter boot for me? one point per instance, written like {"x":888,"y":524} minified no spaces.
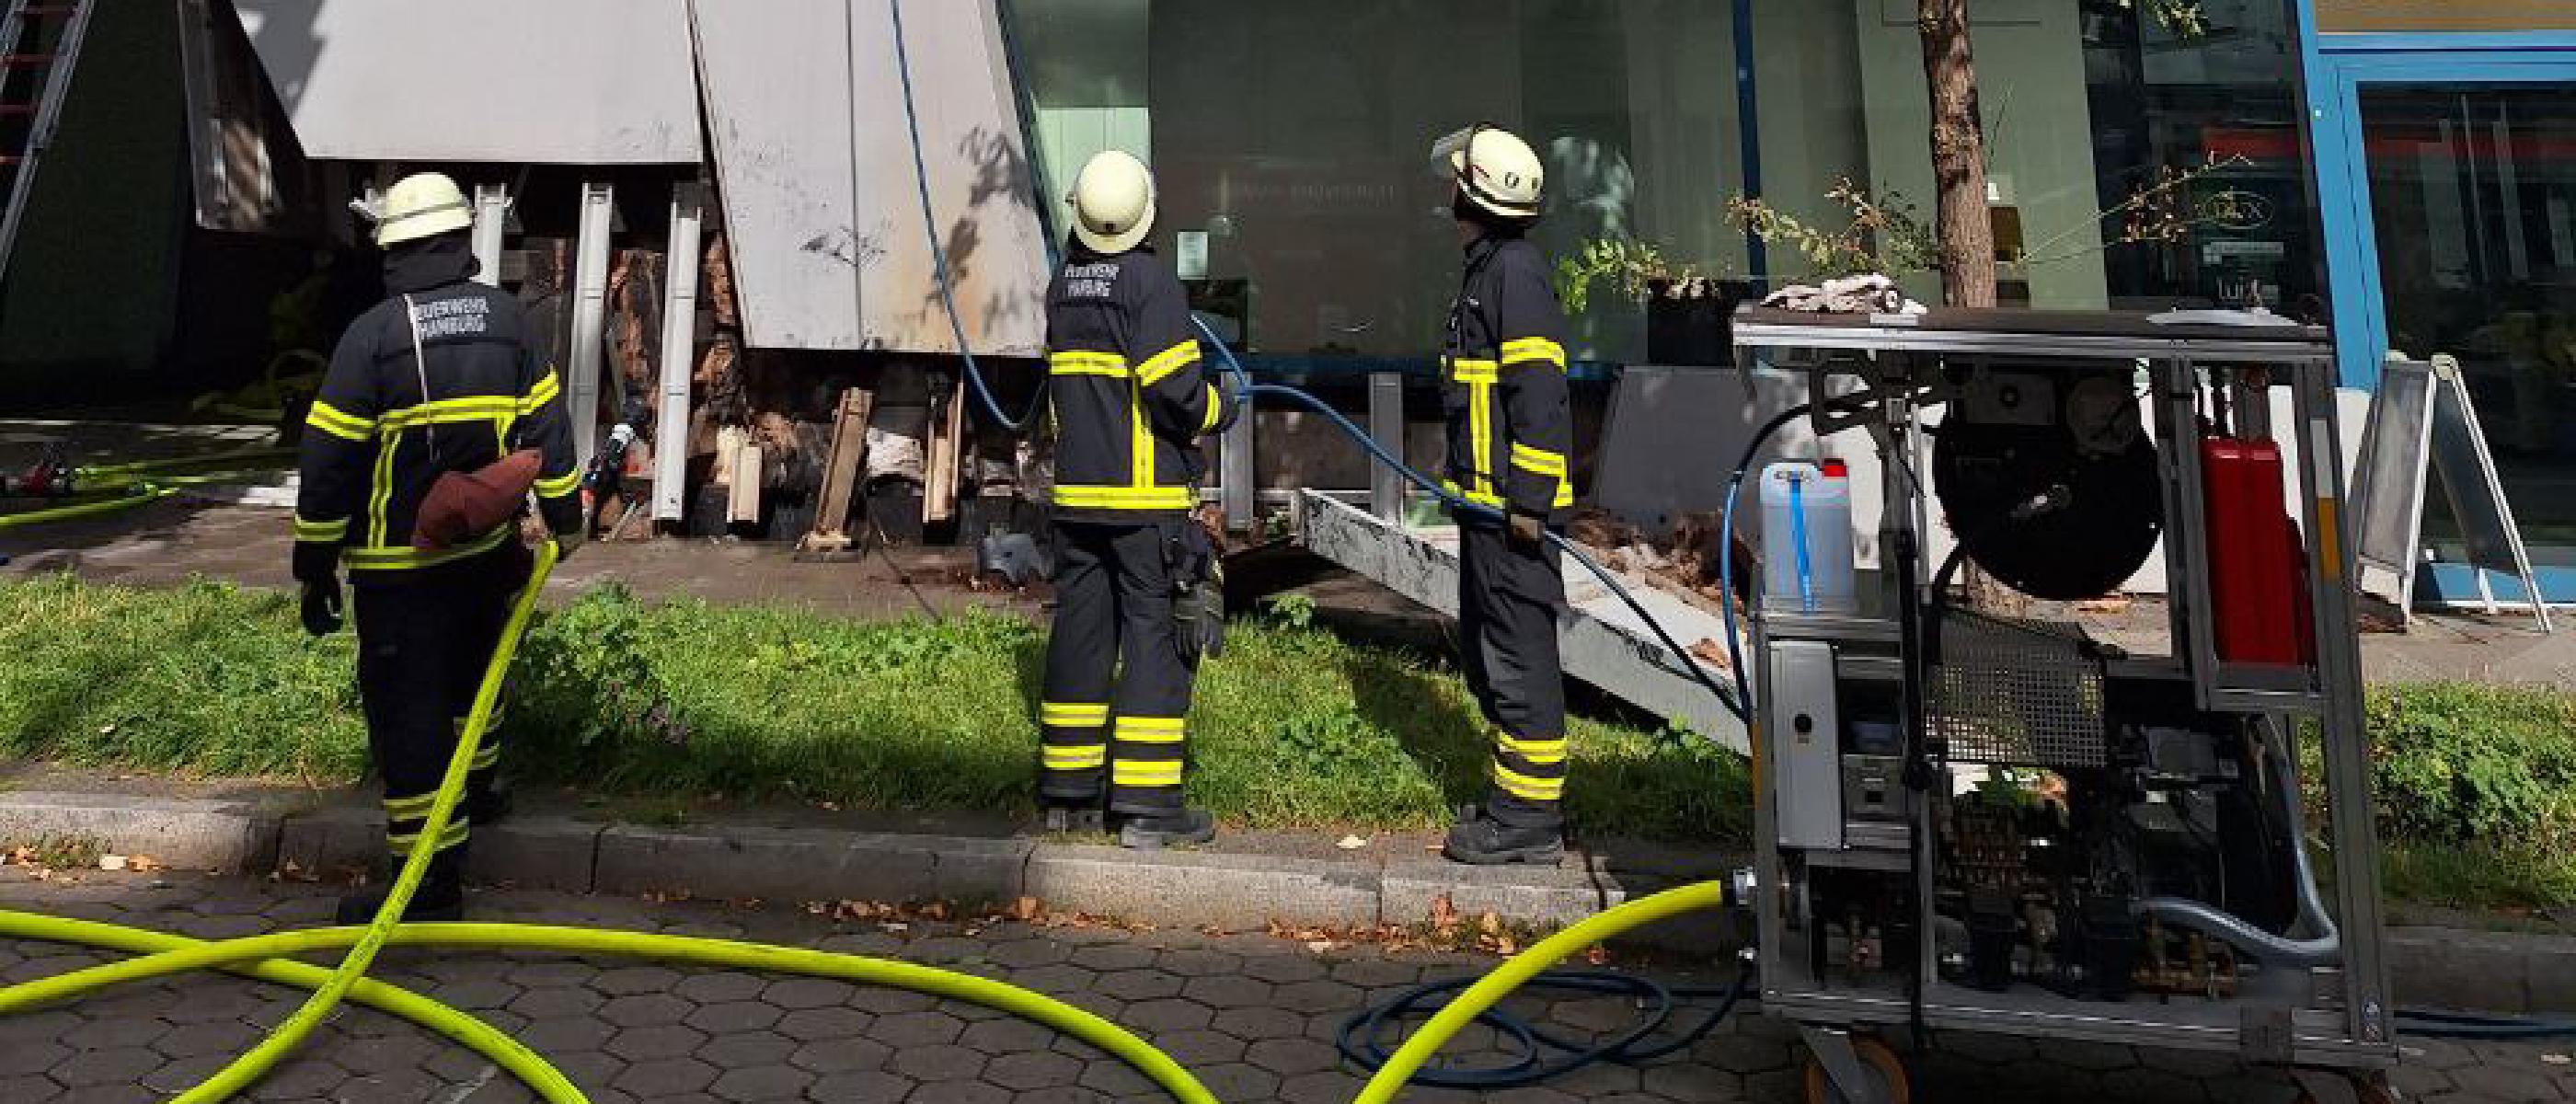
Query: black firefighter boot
{"x":1481,"y":840}
{"x":487,"y":798}
{"x":1180,"y":827}
{"x":441,"y":896}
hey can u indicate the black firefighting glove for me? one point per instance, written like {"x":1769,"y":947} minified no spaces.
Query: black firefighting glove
{"x":1528,"y":531}
{"x":322,"y":607}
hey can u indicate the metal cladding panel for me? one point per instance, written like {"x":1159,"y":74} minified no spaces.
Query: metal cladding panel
{"x":583,"y":82}
{"x":824,"y":215}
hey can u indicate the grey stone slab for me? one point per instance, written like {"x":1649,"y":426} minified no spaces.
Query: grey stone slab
{"x":187,"y":834}
{"x":556,"y":853}
{"x":1186,"y":887}
{"x":330,"y":842}
{"x":2455,"y":969}
{"x":807,"y":864}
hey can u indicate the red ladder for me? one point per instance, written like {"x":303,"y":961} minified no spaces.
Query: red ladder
{"x":39,"y":46}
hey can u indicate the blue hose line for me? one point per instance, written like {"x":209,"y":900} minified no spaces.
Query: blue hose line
{"x":1726,"y":540}
{"x":1457,"y":505}
{"x":2424,"y":1023}
{"x":938,"y":253}
{"x":1362,"y":1038}
{"x":1798,"y":537}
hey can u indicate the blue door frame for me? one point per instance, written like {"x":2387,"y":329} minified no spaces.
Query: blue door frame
{"x":2339,"y":67}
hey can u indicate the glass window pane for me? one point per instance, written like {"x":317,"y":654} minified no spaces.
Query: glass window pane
{"x":2473,"y":192}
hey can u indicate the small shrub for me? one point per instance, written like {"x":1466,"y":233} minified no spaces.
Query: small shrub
{"x":2458,"y":763}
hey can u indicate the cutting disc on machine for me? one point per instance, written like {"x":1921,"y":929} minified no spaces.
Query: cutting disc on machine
{"x":2071,"y":443}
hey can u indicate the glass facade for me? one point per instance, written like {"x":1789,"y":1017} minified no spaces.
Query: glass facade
{"x":1292,"y":142}
{"x":2473,"y":189}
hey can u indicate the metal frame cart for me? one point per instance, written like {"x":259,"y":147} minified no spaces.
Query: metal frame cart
{"x":1893,"y":896}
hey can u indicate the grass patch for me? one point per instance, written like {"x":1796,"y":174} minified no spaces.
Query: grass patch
{"x":1295,"y":727}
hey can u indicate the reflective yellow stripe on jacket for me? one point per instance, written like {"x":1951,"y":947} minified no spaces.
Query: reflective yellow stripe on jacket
{"x":1140,"y":492}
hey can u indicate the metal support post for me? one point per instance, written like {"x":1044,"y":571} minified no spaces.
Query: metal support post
{"x":1386,"y":423}
{"x":491,"y":224}
{"x":2347,"y":749}
{"x":1236,"y":490}
{"x":679,"y":355}
{"x":589,"y":316}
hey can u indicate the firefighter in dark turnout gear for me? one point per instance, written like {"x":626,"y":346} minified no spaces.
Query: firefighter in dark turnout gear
{"x":1503,"y":385}
{"x":441,"y":378}
{"x":1131,"y":398}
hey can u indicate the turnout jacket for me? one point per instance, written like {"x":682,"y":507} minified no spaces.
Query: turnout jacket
{"x":375,"y":442}
{"x":1131,"y":395}
{"x":1502,"y":383}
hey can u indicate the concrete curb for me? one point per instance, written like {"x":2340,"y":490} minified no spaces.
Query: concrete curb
{"x":2492,"y":971}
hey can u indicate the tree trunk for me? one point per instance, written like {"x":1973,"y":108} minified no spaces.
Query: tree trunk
{"x":1965,"y":223}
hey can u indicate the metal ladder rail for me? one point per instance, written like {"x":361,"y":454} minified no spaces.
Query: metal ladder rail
{"x":45,"y":110}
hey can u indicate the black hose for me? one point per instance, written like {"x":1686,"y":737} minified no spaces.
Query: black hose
{"x":1362,"y":1038}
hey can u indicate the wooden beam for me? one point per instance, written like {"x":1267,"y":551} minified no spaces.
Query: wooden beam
{"x":939,"y":470}
{"x":841,"y":471}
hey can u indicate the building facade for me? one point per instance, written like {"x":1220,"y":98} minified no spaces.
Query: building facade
{"x":2143,"y":156}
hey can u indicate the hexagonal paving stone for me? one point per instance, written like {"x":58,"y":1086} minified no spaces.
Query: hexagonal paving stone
{"x":112,"y":1032}
{"x":1029,"y":1072}
{"x":1694,"y":1084}
{"x":765,"y":1083}
{"x":1006,"y":1036}
{"x":1021,"y":954}
{"x":1056,"y":980}
{"x":213,"y":1038}
{"x":867,"y":1087}
{"x":644,"y":1044}
{"x":542,"y":975}
{"x":959,"y":1092}
{"x":120,"y":1066}
{"x":385,"y":1054}
{"x":646,"y":1010}
{"x":811,"y":1024}
{"x":841,"y":1056}
{"x":1199,"y":1047}
{"x":718,"y":988}
{"x":666,"y":1076}
{"x":392,"y":1085}
{"x":1158,"y":1016}
{"x":937,"y":1063}
{"x":592,"y":1070}
{"x":1137,"y":985}
{"x":1227,"y":992}
{"x":555,"y":1003}
{"x":1283,"y":969}
{"x":1319,"y":996}
{"x":795,"y":993}
{"x":33,"y":1090}
{"x":475,"y":995}
{"x":1320,"y":1088}
{"x":1112,"y":1077}
{"x":1376,"y":973}
{"x":1114,"y":956}
{"x":917,"y":1029}
{"x":627,"y":981}
{"x":735,"y":1016}
{"x":577,"y":1033}
{"x":1261,"y":1023}
{"x":1239,"y":1081}
{"x":748,"y":1049}
{"x":31,"y":1058}
{"x":1290,"y":1057}
{"x":886,"y":1001}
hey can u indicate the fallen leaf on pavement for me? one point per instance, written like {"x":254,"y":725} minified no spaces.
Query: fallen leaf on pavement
{"x":1352,"y":843}
{"x":111,"y":862}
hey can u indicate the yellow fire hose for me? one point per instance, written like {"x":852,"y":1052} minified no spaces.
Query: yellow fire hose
{"x":264,"y":957}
